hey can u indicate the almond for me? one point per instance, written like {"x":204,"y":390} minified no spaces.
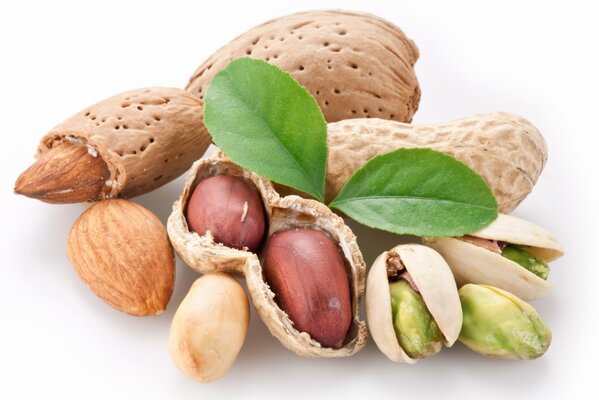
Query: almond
{"x":356,"y":65}
{"x":122,"y":252}
{"x":68,"y":173}
{"x":140,"y":139}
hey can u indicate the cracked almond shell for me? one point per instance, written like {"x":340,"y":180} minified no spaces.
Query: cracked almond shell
{"x":147,"y":137}
{"x":434,"y":280}
{"x":204,"y":255}
{"x":475,"y":264}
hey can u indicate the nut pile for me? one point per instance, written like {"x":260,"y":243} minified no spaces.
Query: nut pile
{"x":304,"y":272}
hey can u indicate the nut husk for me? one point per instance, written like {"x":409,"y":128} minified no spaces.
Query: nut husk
{"x":354,"y":64}
{"x":474,"y":264}
{"x":203,"y":254}
{"x":433,"y":278}
{"x":505,"y":149}
{"x":146,"y":138}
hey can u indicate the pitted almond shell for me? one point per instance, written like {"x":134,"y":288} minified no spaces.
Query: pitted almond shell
{"x":147,"y":137}
{"x":505,"y":149}
{"x":432,"y":276}
{"x":356,"y":65}
{"x":475,"y":264}
{"x":204,"y":255}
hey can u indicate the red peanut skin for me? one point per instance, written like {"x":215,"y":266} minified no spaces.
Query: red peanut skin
{"x":217,"y":205}
{"x":306,"y":271}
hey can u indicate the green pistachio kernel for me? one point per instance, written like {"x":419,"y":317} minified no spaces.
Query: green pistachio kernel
{"x":499,"y":324}
{"x":417,"y":333}
{"x":526,"y":259}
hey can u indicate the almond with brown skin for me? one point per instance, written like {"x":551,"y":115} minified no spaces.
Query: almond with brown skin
{"x":68,"y":173}
{"x":122,"y":252}
{"x":139,"y":140}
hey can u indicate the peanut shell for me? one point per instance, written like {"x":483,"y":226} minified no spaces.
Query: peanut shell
{"x":204,"y":255}
{"x":147,"y":137}
{"x":354,"y":64}
{"x":505,"y":149}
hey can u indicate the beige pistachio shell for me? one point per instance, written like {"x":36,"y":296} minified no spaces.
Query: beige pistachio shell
{"x":203,"y":254}
{"x":434,"y":280}
{"x":475,"y":264}
{"x":505,"y":149}
{"x":147,"y":137}
{"x":354,"y":64}
{"x":538,"y":240}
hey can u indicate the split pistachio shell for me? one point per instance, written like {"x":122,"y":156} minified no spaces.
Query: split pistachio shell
{"x":499,"y":324}
{"x":475,"y":264}
{"x":203,"y":254}
{"x":432,"y":276}
{"x":209,"y":327}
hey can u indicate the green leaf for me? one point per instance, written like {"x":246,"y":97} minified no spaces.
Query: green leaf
{"x":268,"y":123}
{"x":418,"y":192}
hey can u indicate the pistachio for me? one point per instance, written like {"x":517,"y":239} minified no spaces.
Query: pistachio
{"x":416,"y":329}
{"x":526,"y":259}
{"x":510,"y":253}
{"x":501,"y":325}
{"x":412,"y":303}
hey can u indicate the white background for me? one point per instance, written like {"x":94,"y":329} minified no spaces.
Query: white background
{"x":57,"y":340}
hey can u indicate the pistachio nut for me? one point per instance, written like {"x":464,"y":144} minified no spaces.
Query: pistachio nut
{"x":499,"y":324}
{"x":412,"y":303}
{"x":510,"y":253}
{"x":415,"y":328}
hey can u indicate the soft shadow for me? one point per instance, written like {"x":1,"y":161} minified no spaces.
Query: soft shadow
{"x":373,"y":242}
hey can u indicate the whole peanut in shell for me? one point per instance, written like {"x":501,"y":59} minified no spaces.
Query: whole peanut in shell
{"x":305,"y":270}
{"x":505,"y":149}
{"x":230,"y":208}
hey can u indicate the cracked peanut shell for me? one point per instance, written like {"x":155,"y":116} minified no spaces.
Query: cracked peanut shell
{"x":203,"y":254}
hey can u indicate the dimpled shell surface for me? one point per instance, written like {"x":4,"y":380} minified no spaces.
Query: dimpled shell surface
{"x":505,"y":149}
{"x":147,"y":137}
{"x":354,"y":64}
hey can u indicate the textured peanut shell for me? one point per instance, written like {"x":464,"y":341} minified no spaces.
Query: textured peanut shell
{"x":354,"y":64}
{"x":204,"y":255}
{"x":505,"y":149}
{"x":434,"y":280}
{"x":475,"y":264}
{"x":209,"y":327}
{"x":147,"y":137}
